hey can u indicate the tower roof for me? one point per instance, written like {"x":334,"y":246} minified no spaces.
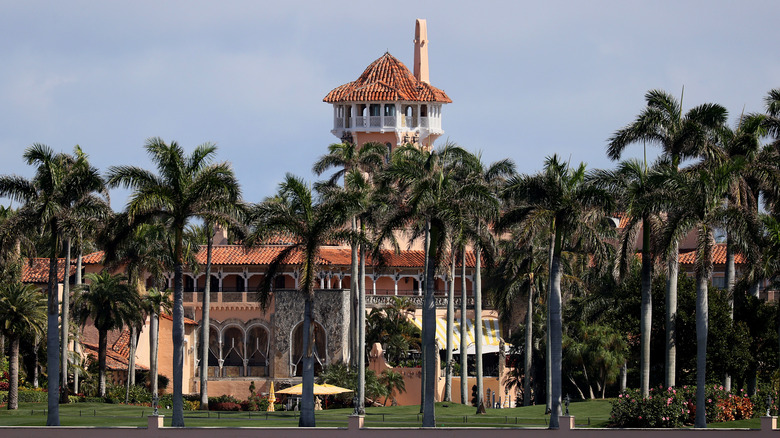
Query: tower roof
{"x":387,"y":79}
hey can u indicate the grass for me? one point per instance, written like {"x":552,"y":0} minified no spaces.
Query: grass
{"x":593,"y":413}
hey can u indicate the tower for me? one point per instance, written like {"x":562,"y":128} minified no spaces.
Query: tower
{"x":388,"y":104}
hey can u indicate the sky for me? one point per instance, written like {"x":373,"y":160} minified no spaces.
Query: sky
{"x":528,"y":79}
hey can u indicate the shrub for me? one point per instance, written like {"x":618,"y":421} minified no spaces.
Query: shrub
{"x":672,"y":407}
{"x":190,"y":405}
{"x":225,"y":406}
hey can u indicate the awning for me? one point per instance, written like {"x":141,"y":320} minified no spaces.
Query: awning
{"x":491,"y":334}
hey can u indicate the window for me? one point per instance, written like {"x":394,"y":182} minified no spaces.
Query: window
{"x":389,"y":110}
{"x":374,"y":109}
{"x":318,"y":348}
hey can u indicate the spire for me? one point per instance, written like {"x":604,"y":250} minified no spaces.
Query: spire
{"x":421,"y":51}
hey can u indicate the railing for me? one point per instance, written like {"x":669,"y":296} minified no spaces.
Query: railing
{"x":389,"y":122}
{"x":375,"y":121}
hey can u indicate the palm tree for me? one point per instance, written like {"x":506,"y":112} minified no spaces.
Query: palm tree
{"x":576,"y":214}
{"x":184,"y":188}
{"x":63,"y":188}
{"x":700,"y":191}
{"x":348,"y":158}
{"x":22,"y":311}
{"x":296,"y":211}
{"x":680,"y":136}
{"x":433,"y":184}
{"x":110,"y":303}
{"x":393,"y":381}
{"x":638,"y":191}
{"x":492,"y":178}
{"x":155,"y":303}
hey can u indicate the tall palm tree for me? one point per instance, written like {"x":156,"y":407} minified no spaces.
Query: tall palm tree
{"x":63,"y":187}
{"x":576,"y":214}
{"x":700,"y":191}
{"x":110,"y":303}
{"x":22,"y":311}
{"x":433,"y":183}
{"x":638,"y":190}
{"x":185,"y":187}
{"x":680,"y":136}
{"x":345,"y":158}
{"x":155,"y":303}
{"x":296,"y":212}
{"x":493,"y":178}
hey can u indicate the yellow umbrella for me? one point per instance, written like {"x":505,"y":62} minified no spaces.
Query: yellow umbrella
{"x":324,"y":389}
{"x":271,"y":398}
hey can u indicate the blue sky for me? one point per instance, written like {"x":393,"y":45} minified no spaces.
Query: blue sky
{"x":527,"y":79}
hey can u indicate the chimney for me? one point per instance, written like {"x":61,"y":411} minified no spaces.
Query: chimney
{"x":421,"y":51}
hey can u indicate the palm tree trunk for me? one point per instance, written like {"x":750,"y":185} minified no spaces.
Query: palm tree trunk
{"x":65,"y":321}
{"x":354,"y":300}
{"x":464,"y":357}
{"x":131,"y":362}
{"x":429,"y":332}
{"x":529,"y":338}
{"x":548,"y":343}
{"x":362,"y":334}
{"x":307,"y":395}
{"x":153,"y":342}
{"x":556,"y":332}
{"x":423,"y":347}
{"x":730,"y":277}
{"x":450,"y":325}
{"x":702,"y":327}
{"x":205,"y":321}
{"x":52,"y":335}
{"x":178,"y":343}
{"x":102,"y":351}
{"x":647,"y":309}
{"x":13,"y":375}
{"x":76,"y":342}
{"x":671,"y":317}
{"x":478,"y":325}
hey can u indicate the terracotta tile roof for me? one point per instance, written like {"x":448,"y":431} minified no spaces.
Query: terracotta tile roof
{"x":238,"y":255}
{"x":36,"y":270}
{"x":114,"y":360}
{"x":93,"y":258}
{"x":187,"y":321}
{"x":718,"y":256}
{"x":388,"y":80}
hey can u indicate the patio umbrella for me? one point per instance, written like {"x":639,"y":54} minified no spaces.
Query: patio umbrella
{"x":324,"y":389}
{"x":271,"y":398}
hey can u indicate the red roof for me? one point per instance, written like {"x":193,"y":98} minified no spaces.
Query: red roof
{"x":187,"y":321}
{"x":114,"y":361}
{"x":387,"y":79}
{"x":36,"y":270}
{"x":718,"y":256}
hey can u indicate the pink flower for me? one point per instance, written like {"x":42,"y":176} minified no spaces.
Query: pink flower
{"x":640,"y":417}
{"x":709,"y":400}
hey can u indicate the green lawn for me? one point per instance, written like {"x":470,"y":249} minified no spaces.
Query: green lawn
{"x":587,"y":413}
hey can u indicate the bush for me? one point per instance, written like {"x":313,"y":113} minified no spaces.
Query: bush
{"x":224,"y":406}
{"x":223,"y":399}
{"x":672,"y":407}
{"x":190,"y":405}
{"x":33,"y":396}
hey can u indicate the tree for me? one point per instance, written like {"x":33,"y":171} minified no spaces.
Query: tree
{"x":155,"y":303}
{"x":433,"y":184}
{"x":110,"y":303}
{"x":22,"y":311}
{"x":638,"y":190}
{"x":348,"y":158}
{"x":185,"y":187}
{"x":699,"y":192}
{"x":575,"y":214}
{"x":680,"y":136}
{"x":63,"y":188}
{"x":393,"y":381}
{"x":311,"y":223}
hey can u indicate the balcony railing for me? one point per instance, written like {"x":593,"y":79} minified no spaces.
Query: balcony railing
{"x":387,"y":122}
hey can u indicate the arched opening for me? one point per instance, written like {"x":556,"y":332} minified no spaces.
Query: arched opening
{"x":257,"y":351}
{"x":318,"y":349}
{"x":233,"y":352}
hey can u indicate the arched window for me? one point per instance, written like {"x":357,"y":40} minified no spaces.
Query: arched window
{"x":318,"y":349}
{"x":189,"y":283}
{"x":257,"y":350}
{"x":233,"y":352}
{"x":214,"y":284}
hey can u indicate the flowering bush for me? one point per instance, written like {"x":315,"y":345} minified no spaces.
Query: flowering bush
{"x":676,"y":407}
